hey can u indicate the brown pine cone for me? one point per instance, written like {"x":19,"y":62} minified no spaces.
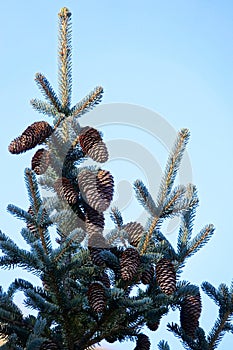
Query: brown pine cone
{"x":143,"y":342}
{"x":65,"y":190}
{"x":96,"y":297}
{"x":96,"y":244}
{"x":34,"y":135}
{"x":129,"y":263}
{"x":166,"y":276}
{"x":105,"y":184}
{"x":135,"y":232}
{"x":153,"y":326}
{"x":190,"y":314}
{"x":94,"y":221}
{"x":147,"y":275}
{"x":40,"y":161}
{"x":89,"y":185}
{"x":92,"y":144}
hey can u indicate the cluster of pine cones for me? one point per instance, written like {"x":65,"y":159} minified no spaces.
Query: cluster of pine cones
{"x":90,"y":141}
{"x":96,"y":190}
{"x":130,"y":262}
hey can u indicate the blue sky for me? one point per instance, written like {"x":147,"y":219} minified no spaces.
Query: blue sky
{"x":171,"y":57}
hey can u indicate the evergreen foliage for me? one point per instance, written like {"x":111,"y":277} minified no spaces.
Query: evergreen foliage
{"x":87,"y":277}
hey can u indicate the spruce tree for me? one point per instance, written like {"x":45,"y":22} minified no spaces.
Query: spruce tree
{"x":87,"y":276}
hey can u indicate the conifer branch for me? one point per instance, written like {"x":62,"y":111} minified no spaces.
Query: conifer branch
{"x":172,"y":166}
{"x":64,"y":58}
{"x":223,"y":297}
{"x":43,"y":240}
{"x":201,"y":239}
{"x":116,"y":217}
{"x":88,"y":102}
{"x":59,"y":253}
{"x":163,"y":345}
{"x":33,"y":189}
{"x":149,"y":234}
{"x":20,"y":213}
{"x":218,"y":330}
{"x":211,"y":291}
{"x":187,"y":219}
{"x":48,"y":92}
{"x":16,"y":256}
{"x":175,"y":197}
{"x":44,"y":108}
{"x":144,"y":197}
{"x":36,"y":203}
{"x":187,"y":341}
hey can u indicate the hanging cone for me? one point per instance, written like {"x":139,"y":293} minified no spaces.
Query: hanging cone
{"x":40,"y":161}
{"x":96,"y":244}
{"x":105,"y":280}
{"x":34,"y":135}
{"x":143,"y":342}
{"x":129,"y":263}
{"x":190,"y":313}
{"x":96,"y":257}
{"x":135,"y":231}
{"x":90,"y":186}
{"x":94,"y":221}
{"x":147,"y":275}
{"x":153,"y":326}
{"x":105,"y":184}
{"x":92,"y":144}
{"x":111,"y":339}
{"x":49,"y":345}
{"x":96,"y":297}
{"x":166,"y":276}
{"x":65,"y":190}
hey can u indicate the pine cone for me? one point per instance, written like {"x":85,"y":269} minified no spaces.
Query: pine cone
{"x":166,"y":276}
{"x":105,"y":184}
{"x":34,"y":135}
{"x":147,"y":275}
{"x":94,"y":221}
{"x":92,"y":144}
{"x":96,"y":257}
{"x":129,"y":263}
{"x":153,"y":326}
{"x":96,"y":244}
{"x":90,"y":186}
{"x":65,"y":190}
{"x":49,"y":345}
{"x":111,"y":339}
{"x":190,"y":313}
{"x":135,"y":231}
{"x":96,"y":297}
{"x":143,"y":342}
{"x":99,"y":152}
{"x":40,"y":161}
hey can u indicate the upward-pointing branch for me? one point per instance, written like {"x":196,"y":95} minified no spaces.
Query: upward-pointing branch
{"x":64,"y":58}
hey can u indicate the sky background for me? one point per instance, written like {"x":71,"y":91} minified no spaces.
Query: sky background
{"x":172,"y":57}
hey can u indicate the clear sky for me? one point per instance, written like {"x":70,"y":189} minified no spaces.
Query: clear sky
{"x":174,"y":57}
